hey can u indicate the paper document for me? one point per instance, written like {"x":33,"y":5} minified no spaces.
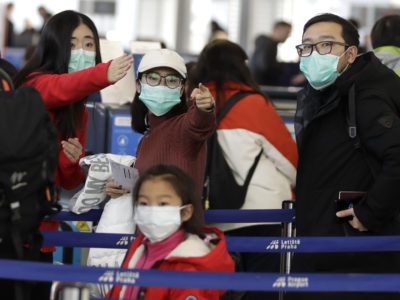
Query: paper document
{"x":123,"y":90}
{"x":124,"y":175}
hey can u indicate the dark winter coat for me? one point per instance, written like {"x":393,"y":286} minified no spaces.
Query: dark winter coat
{"x":330,"y":161}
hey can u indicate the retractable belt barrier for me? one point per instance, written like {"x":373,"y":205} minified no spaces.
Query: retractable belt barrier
{"x":23,"y":270}
{"x":238,"y":244}
{"x":211,"y":216}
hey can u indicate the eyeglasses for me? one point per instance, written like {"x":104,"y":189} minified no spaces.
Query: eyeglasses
{"x":154,"y":79}
{"x":324,"y":47}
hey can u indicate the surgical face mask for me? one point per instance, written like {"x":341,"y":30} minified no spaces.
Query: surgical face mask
{"x":158,"y":222}
{"x":159,"y":99}
{"x":321,"y":70}
{"x":81,"y":59}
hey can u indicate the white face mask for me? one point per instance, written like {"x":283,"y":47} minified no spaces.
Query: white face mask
{"x":158,"y":222}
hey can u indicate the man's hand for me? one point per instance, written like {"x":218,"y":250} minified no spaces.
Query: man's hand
{"x":203,"y":98}
{"x":355,"y":222}
{"x":72,"y":149}
{"x":119,"y":67}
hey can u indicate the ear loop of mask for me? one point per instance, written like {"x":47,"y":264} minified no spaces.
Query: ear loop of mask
{"x":348,"y":64}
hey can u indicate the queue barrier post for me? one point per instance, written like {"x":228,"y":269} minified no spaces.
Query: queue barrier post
{"x":287,"y":232}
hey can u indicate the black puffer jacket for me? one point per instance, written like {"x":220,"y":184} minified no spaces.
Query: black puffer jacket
{"x":329,"y":162}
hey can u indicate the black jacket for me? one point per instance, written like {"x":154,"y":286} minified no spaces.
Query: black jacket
{"x":330,"y":161}
{"x":263,"y":63}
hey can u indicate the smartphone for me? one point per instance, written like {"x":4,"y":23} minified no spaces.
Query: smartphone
{"x":346,"y":199}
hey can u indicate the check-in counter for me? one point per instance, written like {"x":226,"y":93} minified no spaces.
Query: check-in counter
{"x":96,"y":128}
{"x":284,"y":100}
{"x":121,"y":139}
{"x":109,"y":130}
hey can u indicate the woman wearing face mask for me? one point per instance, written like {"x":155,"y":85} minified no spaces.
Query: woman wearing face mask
{"x":251,"y":128}
{"x":173,"y":134}
{"x":168,"y":215}
{"x":66,"y":68}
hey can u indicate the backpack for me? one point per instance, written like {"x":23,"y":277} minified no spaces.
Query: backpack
{"x":221,"y":190}
{"x":28,"y":161}
{"x":7,"y":70}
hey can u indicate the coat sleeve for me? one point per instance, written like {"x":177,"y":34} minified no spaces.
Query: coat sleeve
{"x":69,"y":174}
{"x":379,"y":128}
{"x":198,"y":125}
{"x":63,"y":89}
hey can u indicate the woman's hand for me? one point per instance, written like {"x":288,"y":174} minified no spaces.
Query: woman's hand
{"x":203,"y":98}
{"x":114,"y":190}
{"x":355,"y":222}
{"x":72,"y":149}
{"x":119,"y":67}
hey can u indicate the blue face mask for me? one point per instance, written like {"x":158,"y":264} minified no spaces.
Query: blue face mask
{"x":320,"y":70}
{"x":81,"y":59}
{"x":159,"y":99}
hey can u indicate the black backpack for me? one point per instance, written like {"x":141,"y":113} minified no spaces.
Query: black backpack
{"x":28,"y":160}
{"x":221,"y":190}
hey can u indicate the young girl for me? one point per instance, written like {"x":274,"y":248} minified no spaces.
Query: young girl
{"x":172,"y":237}
{"x":65,"y":68}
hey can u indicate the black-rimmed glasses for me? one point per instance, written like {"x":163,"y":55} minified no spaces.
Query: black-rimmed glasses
{"x":323,"y":47}
{"x":154,"y":79}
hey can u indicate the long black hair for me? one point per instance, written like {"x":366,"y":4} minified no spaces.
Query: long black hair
{"x":222,"y":61}
{"x":139,"y":110}
{"x":52,"y":56}
{"x":184,"y":186}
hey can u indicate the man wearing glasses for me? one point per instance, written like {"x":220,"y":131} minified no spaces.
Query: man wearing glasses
{"x":348,"y":134}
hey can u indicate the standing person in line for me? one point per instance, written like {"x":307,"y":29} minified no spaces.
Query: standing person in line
{"x":347,"y":131}
{"x":173,"y":134}
{"x":10,"y":35}
{"x":172,"y":237}
{"x":250,"y":126}
{"x":217,"y":32}
{"x":45,"y":15}
{"x":66,"y":68}
{"x":263,"y":63}
{"x":385,"y":39}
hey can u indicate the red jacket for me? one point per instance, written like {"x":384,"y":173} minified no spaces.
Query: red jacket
{"x":60,"y":90}
{"x":216,"y":260}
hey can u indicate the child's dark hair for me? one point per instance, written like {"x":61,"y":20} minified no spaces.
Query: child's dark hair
{"x":184,"y":186}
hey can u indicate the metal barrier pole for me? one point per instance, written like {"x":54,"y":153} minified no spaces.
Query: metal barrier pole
{"x":287,"y":231}
{"x":70,"y":291}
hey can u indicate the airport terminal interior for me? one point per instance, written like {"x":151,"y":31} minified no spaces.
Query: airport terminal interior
{"x":136,"y":27}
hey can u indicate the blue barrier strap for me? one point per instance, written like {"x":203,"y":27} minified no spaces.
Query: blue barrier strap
{"x":86,"y":239}
{"x":239,"y":244}
{"x":249,"y":215}
{"x":91,"y":215}
{"x":211,"y":216}
{"x":25,"y":270}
